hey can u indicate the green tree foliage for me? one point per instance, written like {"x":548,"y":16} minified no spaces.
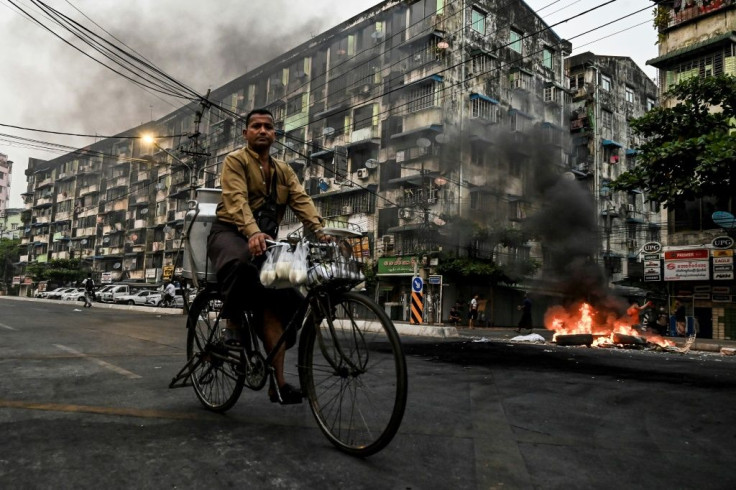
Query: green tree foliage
{"x":58,"y":271}
{"x":9,"y":255}
{"x":690,"y":148}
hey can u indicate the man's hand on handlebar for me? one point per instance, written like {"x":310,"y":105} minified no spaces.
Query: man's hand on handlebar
{"x":257,"y":243}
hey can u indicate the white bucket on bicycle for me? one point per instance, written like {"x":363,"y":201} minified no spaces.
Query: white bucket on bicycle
{"x":198,"y":221}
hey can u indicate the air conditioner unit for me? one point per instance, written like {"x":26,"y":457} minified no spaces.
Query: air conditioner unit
{"x":104,"y":250}
{"x":62,"y":175}
{"x":388,"y":241}
{"x":362,"y":173}
{"x":630,"y":208}
{"x":406,"y":213}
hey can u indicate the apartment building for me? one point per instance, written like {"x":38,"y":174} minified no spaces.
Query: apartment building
{"x":6,"y":169}
{"x":698,"y":39}
{"x":607,"y":93}
{"x":403,"y":120}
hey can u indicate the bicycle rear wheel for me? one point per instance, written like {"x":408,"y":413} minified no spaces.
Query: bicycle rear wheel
{"x":215,"y":380}
{"x":353,"y":372}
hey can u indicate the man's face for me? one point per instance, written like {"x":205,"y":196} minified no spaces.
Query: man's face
{"x":260,"y":133}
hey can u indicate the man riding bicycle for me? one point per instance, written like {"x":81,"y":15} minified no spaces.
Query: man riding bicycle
{"x":169,"y":293}
{"x":256,"y":189}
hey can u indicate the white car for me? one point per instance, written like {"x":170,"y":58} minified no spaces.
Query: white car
{"x":76,"y":295}
{"x":56,"y":293}
{"x":156,"y":299}
{"x":138,"y":298}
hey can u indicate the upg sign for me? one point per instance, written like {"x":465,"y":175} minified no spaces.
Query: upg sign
{"x":722,"y":242}
{"x":652,"y":247}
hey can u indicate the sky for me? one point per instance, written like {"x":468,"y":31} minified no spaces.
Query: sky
{"x":46,"y":84}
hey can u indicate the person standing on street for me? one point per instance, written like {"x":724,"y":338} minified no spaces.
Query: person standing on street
{"x":473,"y":313}
{"x":525,"y":307}
{"x":89,"y":291}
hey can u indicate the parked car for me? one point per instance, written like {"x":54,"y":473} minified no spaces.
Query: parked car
{"x":77,"y":294}
{"x":138,"y":298}
{"x":56,"y":293}
{"x":98,"y":292}
{"x":156,"y":298}
{"x":45,"y":294}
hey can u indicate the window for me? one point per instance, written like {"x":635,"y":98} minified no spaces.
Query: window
{"x":577,"y":81}
{"x":363,"y":117}
{"x":421,"y":97}
{"x":482,"y":64}
{"x":650,"y":103}
{"x":294,"y":105}
{"x":484,"y":109}
{"x":551,"y":94}
{"x":630,"y":95}
{"x":606,"y":83}
{"x":515,"y":40}
{"x":547,"y":58}
{"x":478,"y":21}
{"x":478,"y":154}
{"x":606,"y":118}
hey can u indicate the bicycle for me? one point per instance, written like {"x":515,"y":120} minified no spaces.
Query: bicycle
{"x":351,"y":365}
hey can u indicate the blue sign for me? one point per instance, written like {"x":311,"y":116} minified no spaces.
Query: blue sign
{"x":417,"y":285}
{"x":724,"y":219}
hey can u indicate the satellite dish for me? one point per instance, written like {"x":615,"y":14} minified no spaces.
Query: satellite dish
{"x":568,"y":176}
{"x":106,"y":239}
{"x":133,"y":237}
{"x":440,"y":181}
{"x":116,"y":265}
{"x":328,"y":131}
{"x":438,"y":221}
{"x":371,"y":163}
{"x":83,"y":241}
{"x":724,"y":219}
{"x":144,"y":211}
{"x":378,"y":35}
{"x":167,"y":229}
{"x":442,"y":138}
{"x":423,"y":143}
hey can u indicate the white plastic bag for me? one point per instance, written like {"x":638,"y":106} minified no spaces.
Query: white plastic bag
{"x":298,"y":274}
{"x":268,"y":269}
{"x":283,"y":259}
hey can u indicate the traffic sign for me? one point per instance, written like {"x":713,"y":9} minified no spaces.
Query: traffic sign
{"x":435,"y":279}
{"x":417,"y":285}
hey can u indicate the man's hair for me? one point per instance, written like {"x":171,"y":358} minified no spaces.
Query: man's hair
{"x":264,"y":112}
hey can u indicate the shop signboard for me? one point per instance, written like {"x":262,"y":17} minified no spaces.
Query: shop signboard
{"x":397,"y":266}
{"x":687,"y":265}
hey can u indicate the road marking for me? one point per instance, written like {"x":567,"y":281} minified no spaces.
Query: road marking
{"x":126,"y":412}
{"x":99,"y":362}
{"x":6,"y":327}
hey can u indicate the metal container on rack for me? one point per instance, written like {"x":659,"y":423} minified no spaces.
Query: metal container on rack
{"x":197,"y":225}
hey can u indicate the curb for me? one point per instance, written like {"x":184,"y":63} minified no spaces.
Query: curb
{"x":109,"y":306}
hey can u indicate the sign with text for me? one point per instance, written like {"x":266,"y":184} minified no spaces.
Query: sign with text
{"x":686,"y":270}
{"x":397,"y":266}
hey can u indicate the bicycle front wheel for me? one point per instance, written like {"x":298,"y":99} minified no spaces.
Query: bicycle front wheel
{"x":353,"y":372}
{"x":214,"y":377}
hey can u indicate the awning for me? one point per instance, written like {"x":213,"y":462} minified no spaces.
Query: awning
{"x":409,"y":227}
{"x":415,"y":179}
{"x":474,"y":96}
{"x":429,"y":79}
{"x":365,"y":142}
{"x":322,"y":153}
{"x":630,"y":151}
{"x":437,"y":128}
{"x":348,"y":190}
{"x":612,"y":143}
{"x":520,"y":113}
{"x":547,"y":124}
{"x":692,"y":50}
{"x":635,"y":220}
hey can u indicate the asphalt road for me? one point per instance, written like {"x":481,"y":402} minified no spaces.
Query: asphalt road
{"x":84,"y":402}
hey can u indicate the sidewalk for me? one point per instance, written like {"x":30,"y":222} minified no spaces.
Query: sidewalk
{"x":500,"y":333}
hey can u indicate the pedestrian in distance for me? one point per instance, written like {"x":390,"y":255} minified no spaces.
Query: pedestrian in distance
{"x":89,"y":291}
{"x":525,"y":307}
{"x":680,"y":318}
{"x":473,"y":312}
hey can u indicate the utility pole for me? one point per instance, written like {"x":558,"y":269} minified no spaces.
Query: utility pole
{"x":195,"y":150}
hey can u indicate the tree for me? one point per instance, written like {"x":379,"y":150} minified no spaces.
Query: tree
{"x":690,"y":150}
{"x":9,"y":255}
{"x":58,"y":271}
